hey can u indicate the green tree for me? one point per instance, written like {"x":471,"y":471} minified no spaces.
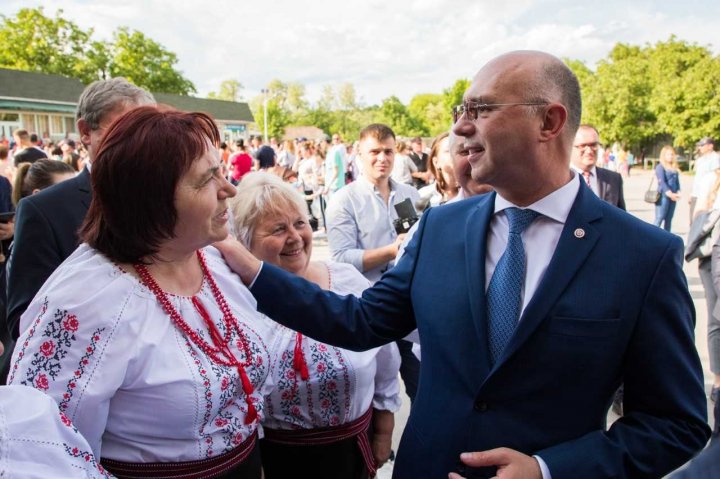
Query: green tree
{"x":346,"y":97}
{"x":396,"y":115}
{"x":619,"y":103}
{"x":454,"y":95}
{"x":430,"y":108}
{"x":32,"y":41}
{"x":296,"y":101}
{"x":146,"y":63}
{"x":640,"y":95}
{"x":275,"y":100}
{"x":686,"y":79}
{"x":229,"y":91}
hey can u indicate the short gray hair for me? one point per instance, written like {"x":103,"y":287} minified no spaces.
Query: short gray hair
{"x":261,"y":195}
{"x":104,"y":96}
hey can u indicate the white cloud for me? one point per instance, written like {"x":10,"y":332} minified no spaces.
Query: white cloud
{"x":384,"y":48}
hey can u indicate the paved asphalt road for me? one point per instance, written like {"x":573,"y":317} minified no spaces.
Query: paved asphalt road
{"x":635,"y":186}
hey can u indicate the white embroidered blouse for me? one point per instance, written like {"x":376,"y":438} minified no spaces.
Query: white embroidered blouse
{"x":342,"y":384}
{"x":98,"y":341}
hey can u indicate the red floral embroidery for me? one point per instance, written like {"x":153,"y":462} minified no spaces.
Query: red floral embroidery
{"x":31,"y":333}
{"x":321,"y":367}
{"x":65,"y":420}
{"x":71,"y":323}
{"x":84,"y":361}
{"x":87,"y":457}
{"x":47,"y":348}
{"x":41,"y":382}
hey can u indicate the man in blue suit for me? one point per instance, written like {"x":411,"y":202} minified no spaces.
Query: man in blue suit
{"x":520,"y":297}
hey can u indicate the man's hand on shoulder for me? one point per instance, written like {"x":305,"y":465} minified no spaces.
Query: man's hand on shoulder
{"x":510,"y":464}
{"x":239,"y":259}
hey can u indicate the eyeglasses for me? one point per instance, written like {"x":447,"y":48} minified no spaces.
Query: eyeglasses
{"x":474,"y":109}
{"x":592,"y":146}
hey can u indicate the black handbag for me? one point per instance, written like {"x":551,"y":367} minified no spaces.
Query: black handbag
{"x":651,"y":195}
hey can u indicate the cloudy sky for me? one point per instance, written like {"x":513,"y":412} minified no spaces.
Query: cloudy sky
{"x":383,"y":47}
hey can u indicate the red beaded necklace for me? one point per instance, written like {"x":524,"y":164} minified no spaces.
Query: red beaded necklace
{"x":220,"y":353}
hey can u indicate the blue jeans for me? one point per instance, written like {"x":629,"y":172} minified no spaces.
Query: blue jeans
{"x":664,"y":212}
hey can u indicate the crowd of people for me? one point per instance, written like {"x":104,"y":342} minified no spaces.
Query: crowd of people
{"x":166,"y":318}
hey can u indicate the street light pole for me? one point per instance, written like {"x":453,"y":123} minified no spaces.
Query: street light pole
{"x":265,"y":121}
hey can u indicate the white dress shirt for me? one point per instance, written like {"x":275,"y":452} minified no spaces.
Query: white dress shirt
{"x":540,"y":238}
{"x":358,"y":219}
{"x":593,"y":179}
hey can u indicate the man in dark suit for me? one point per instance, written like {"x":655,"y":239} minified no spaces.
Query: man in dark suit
{"x":525,"y":331}
{"x":420,"y":158}
{"x":46,"y":224}
{"x":607,"y":184}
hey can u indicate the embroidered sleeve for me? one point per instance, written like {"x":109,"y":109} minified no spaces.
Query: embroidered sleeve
{"x":70,"y":350}
{"x":40,"y":441}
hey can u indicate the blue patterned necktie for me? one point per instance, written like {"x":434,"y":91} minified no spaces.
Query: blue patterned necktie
{"x":503,"y":293}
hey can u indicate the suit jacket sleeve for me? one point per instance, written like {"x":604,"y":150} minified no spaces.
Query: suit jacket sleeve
{"x":383,"y":314}
{"x":664,"y":400}
{"x":34,"y":257}
{"x":715,"y":269}
{"x":621,"y":195}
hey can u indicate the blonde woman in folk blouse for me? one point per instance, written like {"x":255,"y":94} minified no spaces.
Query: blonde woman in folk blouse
{"x":325,"y":398}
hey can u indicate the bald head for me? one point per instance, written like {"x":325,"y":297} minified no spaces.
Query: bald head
{"x":544,"y":78}
{"x":518,"y":123}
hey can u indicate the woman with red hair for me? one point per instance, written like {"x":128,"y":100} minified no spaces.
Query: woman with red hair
{"x":143,"y":336}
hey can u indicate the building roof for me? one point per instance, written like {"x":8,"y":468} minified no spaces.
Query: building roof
{"x":40,"y":91}
{"x":219,"y":109}
{"x":18,"y":84}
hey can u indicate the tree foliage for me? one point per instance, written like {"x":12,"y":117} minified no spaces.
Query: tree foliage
{"x":229,"y":91}
{"x":639,"y":95}
{"x":396,"y":115}
{"x":32,"y":41}
{"x":146,"y":63}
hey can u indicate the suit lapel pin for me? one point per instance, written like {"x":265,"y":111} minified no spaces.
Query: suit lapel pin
{"x":579,"y":233}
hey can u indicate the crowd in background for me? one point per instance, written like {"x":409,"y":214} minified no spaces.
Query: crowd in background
{"x":147,"y":305}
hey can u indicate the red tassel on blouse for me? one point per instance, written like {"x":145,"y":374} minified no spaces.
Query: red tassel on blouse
{"x":248,"y":390}
{"x":299,"y":363}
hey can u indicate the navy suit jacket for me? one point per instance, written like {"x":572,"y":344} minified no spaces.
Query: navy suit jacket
{"x":610,"y":185}
{"x":613,"y":307}
{"x":46,"y":226}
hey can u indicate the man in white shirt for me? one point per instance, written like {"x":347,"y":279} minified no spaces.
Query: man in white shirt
{"x":525,"y":318}
{"x":705,"y":175}
{"x":360,"y":220}
{"x":360,"y":216}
